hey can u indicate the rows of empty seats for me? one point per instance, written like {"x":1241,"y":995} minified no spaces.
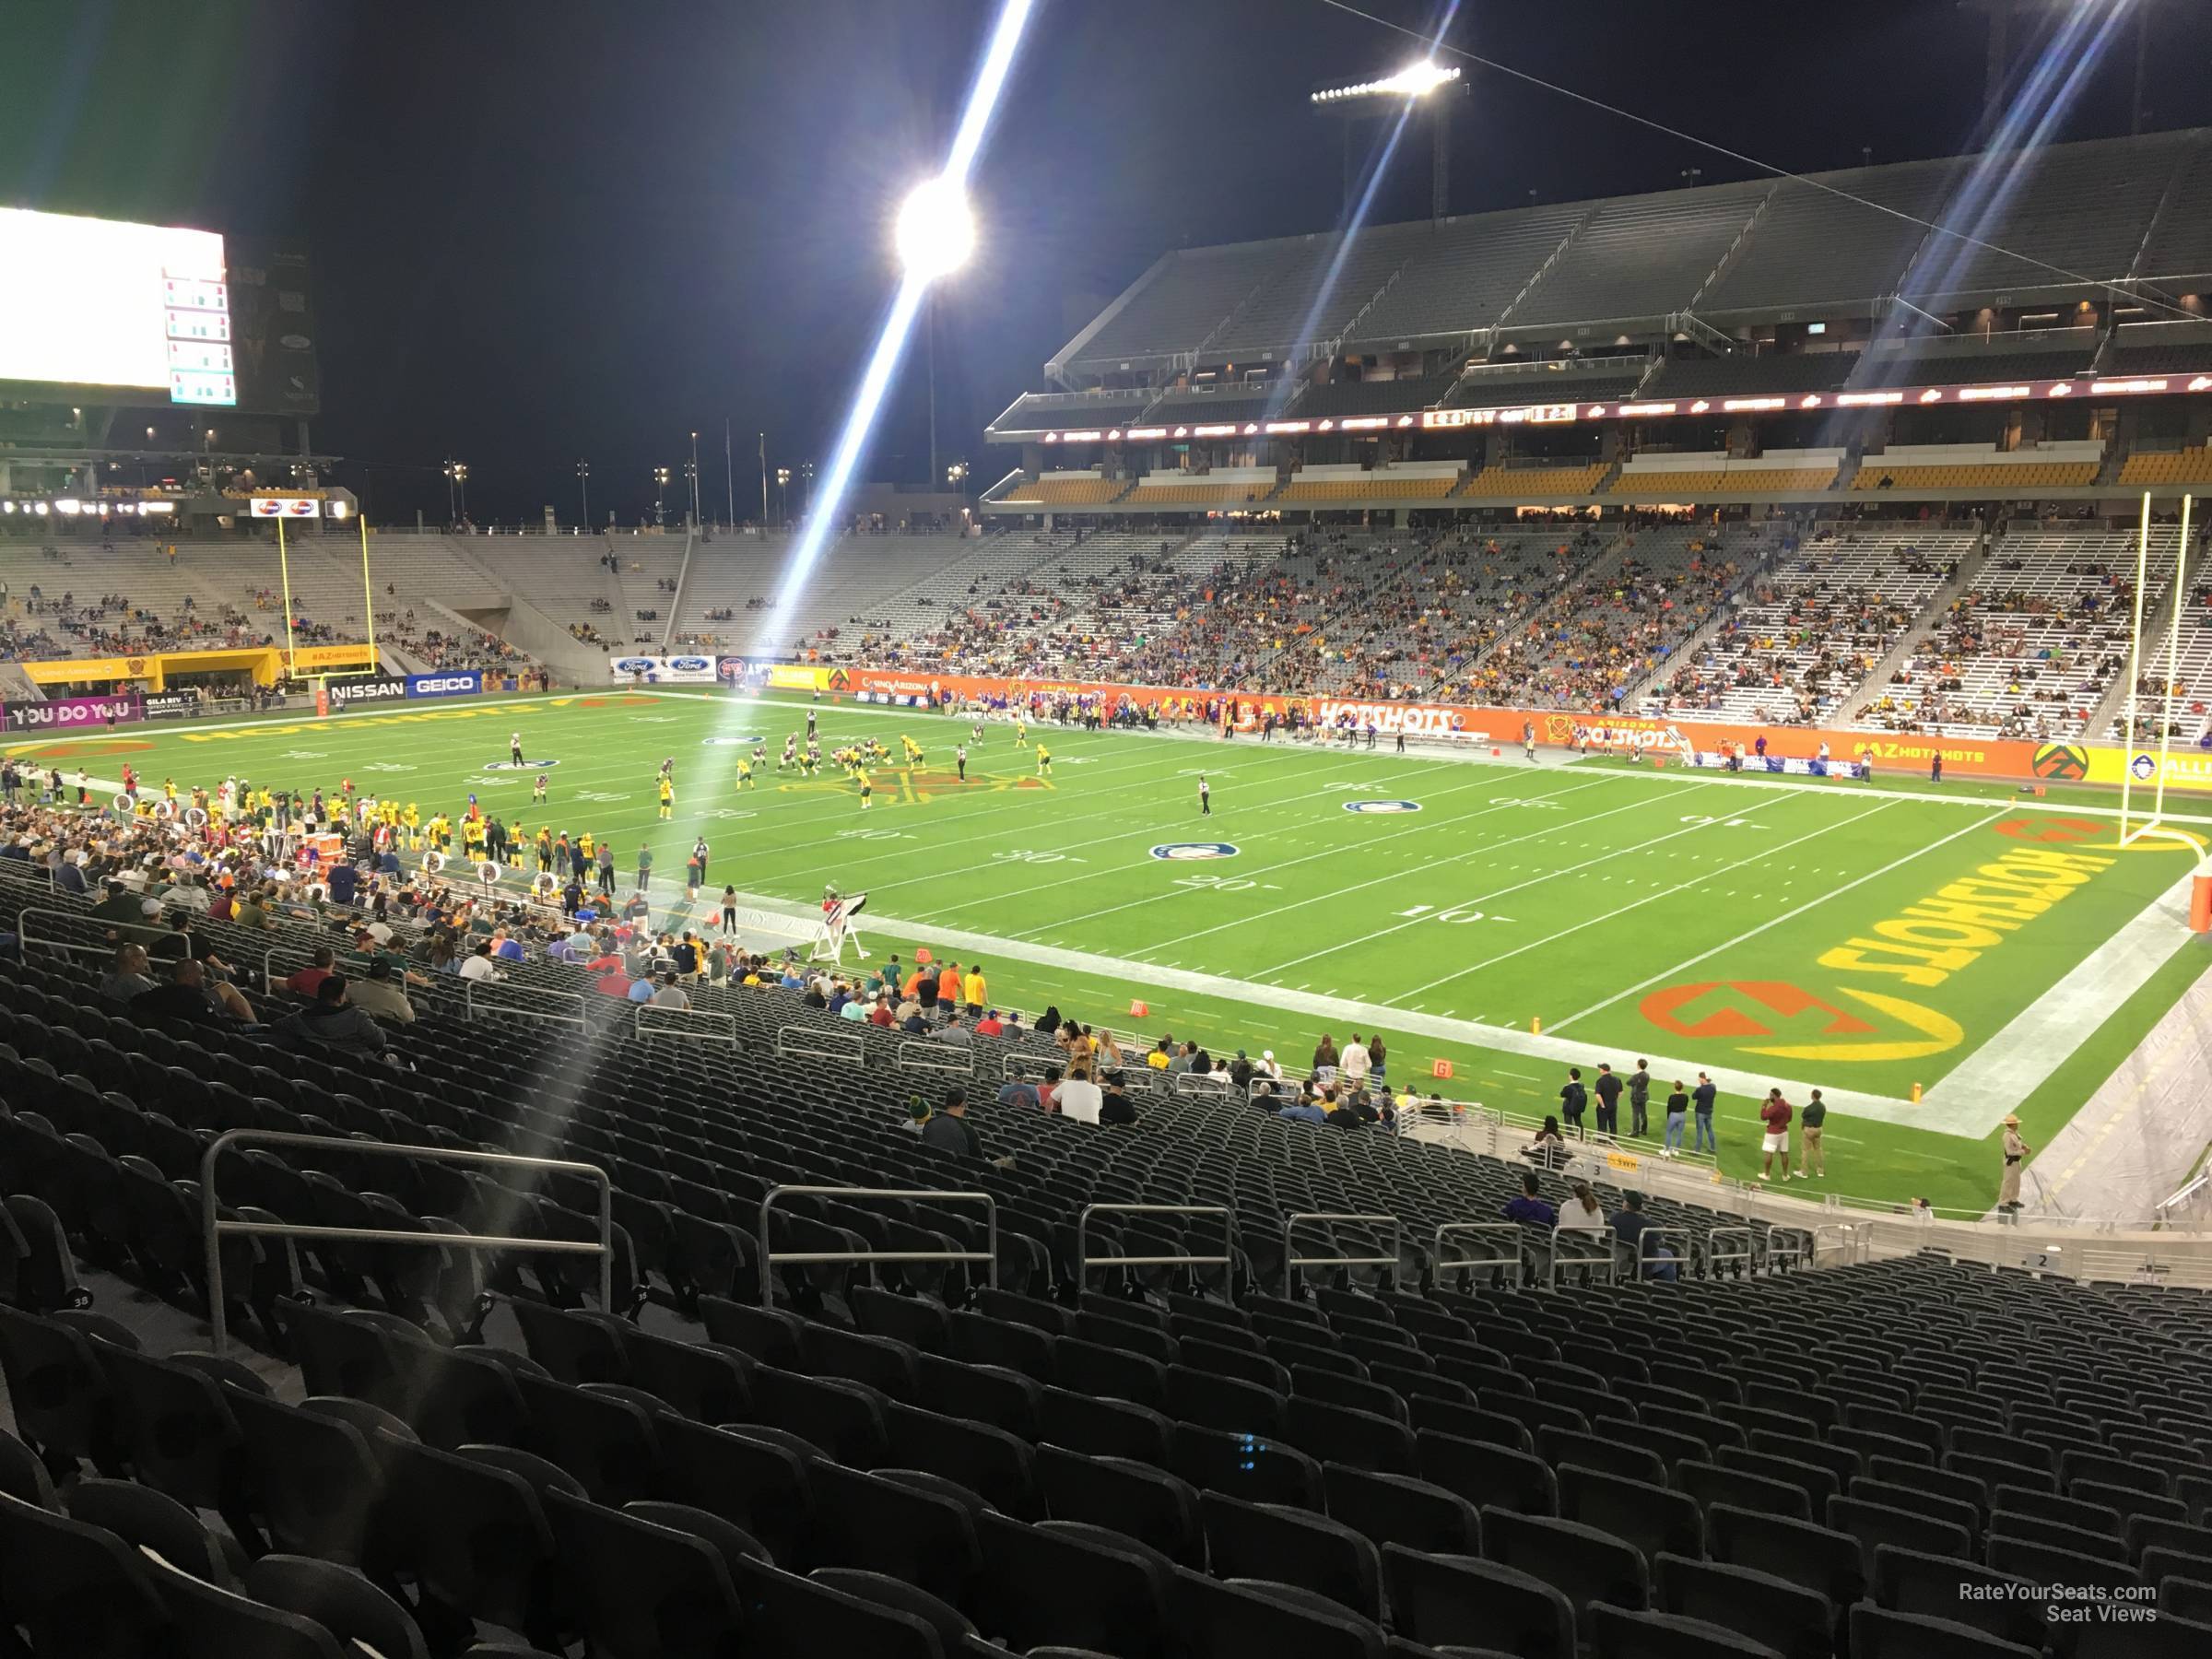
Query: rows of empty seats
{"x":1065,"y":489}
{"x":1506,"y":482}
{"x":1981,"y":467}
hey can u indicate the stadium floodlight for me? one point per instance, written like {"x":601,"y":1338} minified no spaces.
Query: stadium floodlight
{"x":935,"y":231}
{"x":1415,"y":80}
{"x":924,"y":255}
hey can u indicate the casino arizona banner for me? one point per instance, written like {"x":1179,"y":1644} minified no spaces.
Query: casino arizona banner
{"x":1889,"y":753}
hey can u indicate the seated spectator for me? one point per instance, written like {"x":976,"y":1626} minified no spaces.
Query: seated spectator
{"x":1548,"y":1150}
{"x":1015,"y":1092}
{"x":378,"y":996}
{"x":917,"y":1117}
{"x":954,"y":1032}
{"x":670,"y":994}
{"x":193,"y":997}
{"x":1528,"y":1208}
{"x":950,"y":1129}
{"x":1581,"y":1212}
{"x":477,"y":964}
{"x":989,"y":1025}
{"x":128,"y":977}
{"x":1079,"y":1097}
{"x":305,"y":981}
{"x":334,"y":1023}
{"x":1117,"y":1107}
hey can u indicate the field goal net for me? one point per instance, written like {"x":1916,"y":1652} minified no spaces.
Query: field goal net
{"x":2147,"y":768}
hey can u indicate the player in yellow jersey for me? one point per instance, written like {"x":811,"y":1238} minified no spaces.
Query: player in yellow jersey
{"x":412,"y":818}
{"x":667,"y":796}
{"x":867,"y":790}
{"x":744,"y":774}
{"x":169,"y":791}
{"x":913,"y":749}
{"x":1044,"y":761}
{"x":1021,"y":733}
{"x":442,"y":832}
{"x":585,"y":847}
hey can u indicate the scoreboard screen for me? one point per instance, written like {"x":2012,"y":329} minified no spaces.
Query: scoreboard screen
{"x":99,"y":302}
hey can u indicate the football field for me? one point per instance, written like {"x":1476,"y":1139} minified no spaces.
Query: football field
{"x":1930,"y":957}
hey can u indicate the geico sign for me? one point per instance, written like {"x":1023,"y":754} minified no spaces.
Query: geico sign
{"x":1412,"y":719}
{"x":466,"y":683}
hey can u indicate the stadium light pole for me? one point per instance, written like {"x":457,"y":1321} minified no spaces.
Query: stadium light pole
{"x":783,"y":495}
{"x":583,"y":482}
{"x":695,"y":505}
{"x":1426,"y":81}
{"x":461,"y":481}
{"x":936,"y":232}
{"x":660,"y":496}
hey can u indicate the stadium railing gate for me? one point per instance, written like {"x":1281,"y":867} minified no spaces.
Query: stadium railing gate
{"x":692,"y":1025}
{"x":1291,"y":1263}
{"x":1517,"y":1261}
{"x":1608,"y":1264}
{"x":535,"y":1001}
{"x":921,"y":1053}
{"x":214,"y":1229}
{"x":811,"y":1042}
{"x":1787,"y":1248}
{"x":1679,"y":1236}
{"x":770,"y":1259}
{"x":61,"y":942}
{"x":1716,"y":1258}
{"x":1084,"y":1263}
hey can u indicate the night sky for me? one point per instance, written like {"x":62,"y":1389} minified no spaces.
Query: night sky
{"x":558,"y":229}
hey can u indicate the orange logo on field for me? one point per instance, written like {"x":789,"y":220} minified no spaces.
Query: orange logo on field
{"x":1749,"y":1010}
{"x":2051,"y":829}
{"x":1769,"y":1003}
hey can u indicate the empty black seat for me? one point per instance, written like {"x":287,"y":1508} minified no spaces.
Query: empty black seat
{"x":1214,"y":1620}
{"x":1619,"y":1634}
{"x":1489,"y":1475}
{"x":887,"y":1526}
{"x":642,"y":1589}
{"x":1585,"y":1565}
{"x":75,"y":1588}
{"x":1464,"y":1602}
{"x":1876,"y":1634}
{"x":209,"y":1621}
{"x":1397,"y":1509}
{"x":1042,"y":1587}
{"x":1275,"y":1541}
{"x":1795,"y":1622}
{"x":1649,"y":1516}
{"x":1827,"y":1563}
{"x":1244,"y":1465}
{"x":1147,"y":1504}
{"x":1907,"y":1581}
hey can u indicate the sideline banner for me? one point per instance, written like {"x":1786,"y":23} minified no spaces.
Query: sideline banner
{"x":2187,"y":769}
{"x":464,"y":682}
{"x":170,"y":705}
{"x":662,"y":670}
{"x":1558,"y":728}
{"x":71,"y":713}
{"x":370,"y":689}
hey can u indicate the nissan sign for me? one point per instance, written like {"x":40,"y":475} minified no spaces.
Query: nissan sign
{"x":368,"y":690}
{"x":463,"y":683}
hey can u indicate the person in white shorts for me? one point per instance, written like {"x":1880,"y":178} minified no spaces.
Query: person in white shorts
{"x":1775,"y":1113}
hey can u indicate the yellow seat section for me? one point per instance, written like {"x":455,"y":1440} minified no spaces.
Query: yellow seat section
{"x":2027,"y":474}
{"x":1511,"y":482}
{"x":2168,"y":466}
{"x":1200,"y":495}
{"x":1066,"y":492}
{"x":1369,"y":488}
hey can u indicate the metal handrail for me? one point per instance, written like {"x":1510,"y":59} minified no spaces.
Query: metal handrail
{"x":1747,"y":1256}
{"x":581,"y":1019}
{"x":1609,"y":1261}
{"x":1201,"y":1083}
{"x":1292,"y":1264}
{"x":1084,"y":1264}
{"x":103,"y":948}
{"x":694,"y":1025}
{"x":924,"y":1053}
{"x":1516,"y":1261}
{"x":1788,"y":1242}
{"x":214,"y":1228}
{"x":786,"y":1049}
{"x":1644,"y":1258}
{"x":770,"y":1259}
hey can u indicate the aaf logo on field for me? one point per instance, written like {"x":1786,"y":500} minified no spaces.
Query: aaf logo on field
{"x":730,"y":742}
{"x":1177,"y":852}
{"x":524,"y":766}
{"x":1741,"y":1012}
{"x":1381,"y":805}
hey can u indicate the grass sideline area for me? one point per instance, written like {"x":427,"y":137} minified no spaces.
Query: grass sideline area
{"x":1504,"y":919}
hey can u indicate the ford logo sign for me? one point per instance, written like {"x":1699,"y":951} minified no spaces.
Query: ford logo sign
{"x":691,"y":664}
{"x":635,"y":665}
{"x":296,"y":343}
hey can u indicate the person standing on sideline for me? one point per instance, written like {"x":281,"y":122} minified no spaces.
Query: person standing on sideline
{"x":1678,"y":1108}
{"x":644,"y":867}
{"x":1640,"y":1098}
{"x":2016,"y":1159}
{"x":607,"y":869}
{"x":1701,"y":1100}
{"x":1775,"y":1113}
{"x":959,"y":758}
{"x":1811,"y":1159}
{"x":1528,"y":740}
{"x":1936,"y":768}
{"x":514,"y":750}
{"x":729,"y":910}
{"x":1608,"y":1100}
{"x":1206,"y":798}
{"x":1573,"y":1097}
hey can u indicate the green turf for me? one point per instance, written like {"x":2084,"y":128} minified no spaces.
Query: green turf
{"x":1567,"y":893}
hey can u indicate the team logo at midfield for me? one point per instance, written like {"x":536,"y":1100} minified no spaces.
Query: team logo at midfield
{"x":1381,"y":805}
{"x":524,"y":766}
{"x":2060,"y":762}
{"x":729,"y":742}
{"x":1178,"y":851}
{"x":1772,"y":1016}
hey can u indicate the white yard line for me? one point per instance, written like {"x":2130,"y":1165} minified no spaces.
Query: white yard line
{"x":1680,"y":886}
{"x":2012,"y":1064}
{"x":1691,"y":962}
{"x":1481,"y":898}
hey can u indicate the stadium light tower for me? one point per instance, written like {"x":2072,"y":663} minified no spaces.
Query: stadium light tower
{"x":1436,"y":86}
{"x":583,"y":482}
{"x":935,"y":233}
{"x":659,"y":495}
